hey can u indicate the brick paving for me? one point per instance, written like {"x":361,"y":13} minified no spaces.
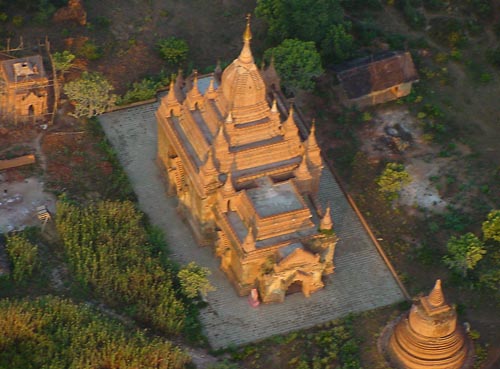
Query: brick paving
{"x":361,"y":280}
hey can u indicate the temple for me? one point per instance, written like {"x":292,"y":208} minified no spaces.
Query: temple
{"x":429,"y":337}
{"x":246,"y":182}
{"x":23,"y":88}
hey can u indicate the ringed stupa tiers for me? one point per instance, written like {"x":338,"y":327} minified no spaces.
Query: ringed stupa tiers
{"x":429,"y":337}
{"x":246,"y":182}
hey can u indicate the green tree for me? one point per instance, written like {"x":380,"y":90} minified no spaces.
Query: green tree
{"x":23,"y":255}
{"x":392,"y":180}
{"x":491,"y":226}
{"x":302,"y":19}
{"x":338,"y":44}
{"x":174,"y":50}
{"x":63,"y":61}
{"x":296,"y":62}
{"x":194,"y":280}
{"x":464,"y":253}
{"x":91,"y":94}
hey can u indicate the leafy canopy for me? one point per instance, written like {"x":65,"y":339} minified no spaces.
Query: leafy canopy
{"x":63,"y":61}
{"x":194,"y":280}
{"x":296,"y":62}
{"x":174,"y":50}
{"x":491,"y":226}
{"x":91,"y":94}
{"x":392,"y":180}
{"x":302,"y":19}
{"x":464,"y":253}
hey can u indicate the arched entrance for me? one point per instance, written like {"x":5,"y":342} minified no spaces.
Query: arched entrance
{"x":294,"y":287}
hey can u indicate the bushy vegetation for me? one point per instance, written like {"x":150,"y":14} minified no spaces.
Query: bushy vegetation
{"x":91,"y":94}
{"x":297,"y":63}
{"x":174,"y":50}
{"x":144,"y":90}
{"x":53,"y":333}
{"x":392,"y":180}
{"x":464,"y":253}
{"x":332,"y":346}
{"x":23,"y":256}
{"x":110,"y":253}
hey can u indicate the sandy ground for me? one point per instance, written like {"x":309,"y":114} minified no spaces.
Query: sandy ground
{"x":420,"y":157}
{"x":18,"y":203}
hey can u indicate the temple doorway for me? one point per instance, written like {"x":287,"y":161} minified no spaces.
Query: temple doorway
{"x":295,"y":287}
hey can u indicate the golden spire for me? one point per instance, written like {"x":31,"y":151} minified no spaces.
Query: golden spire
{"x":302,"y":171}
{"x":228,"y":188}
{"x":311,"y":139}
{"x":229,"y":118}
{"x":249,"y":242}
{"x":274,"y":108}
{"x":194,"y":89}
{"x":171,"y":98}
{"x":247,"y":35}
{"x":326,"y":223}
{"x":246,"y":56}
{"x":209,"y":166}
{"x":436,"y":297}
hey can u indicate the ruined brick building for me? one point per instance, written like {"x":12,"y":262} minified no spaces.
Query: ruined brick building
{"x":23,"y":88}
{"x":246,"y":182}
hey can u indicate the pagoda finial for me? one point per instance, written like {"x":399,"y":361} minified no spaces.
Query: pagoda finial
{"x":274,"y":108}
{"x":326,"y":223}
{"x":209,"y":166}
{"x":312,"y":144}
{"x":195,"y":82}
{"x":229,"y":118}
{"x":302,"y":171}
{"x":249,"y":242}
{"x":228,"y":187}
{"x":246,"y":56}
{"x":247,"y":35}
{"x":436,"y":297}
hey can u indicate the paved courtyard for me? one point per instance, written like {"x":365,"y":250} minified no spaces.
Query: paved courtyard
{"x":361,"y":281}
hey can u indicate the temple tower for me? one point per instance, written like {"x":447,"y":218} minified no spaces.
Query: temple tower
{"x":245,"y":181}
{"x":429,"y":336}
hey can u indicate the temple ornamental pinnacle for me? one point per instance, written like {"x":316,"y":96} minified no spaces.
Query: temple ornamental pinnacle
{"x":246,"y":182}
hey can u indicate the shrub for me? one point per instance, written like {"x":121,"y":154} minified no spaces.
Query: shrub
{"x":23,"y":255}
{"x":464,"y":253}
{"x":140,"y":91}
{"x":392,"y":180}
{"x":174,"y":50}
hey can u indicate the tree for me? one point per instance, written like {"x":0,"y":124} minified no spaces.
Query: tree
{"x":392,"y":180}
{"x":91,"y":94}
{"x":23,"y":255}
{"x":491,"y":226}
{"x":63,"y":61}
{"x":296,"y":62}
{"x":194,"y":280}
{"x":338,"y":44}
{"x":174,"y":50}
{"x":464,"y":253}
{"x":302,"y":19}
